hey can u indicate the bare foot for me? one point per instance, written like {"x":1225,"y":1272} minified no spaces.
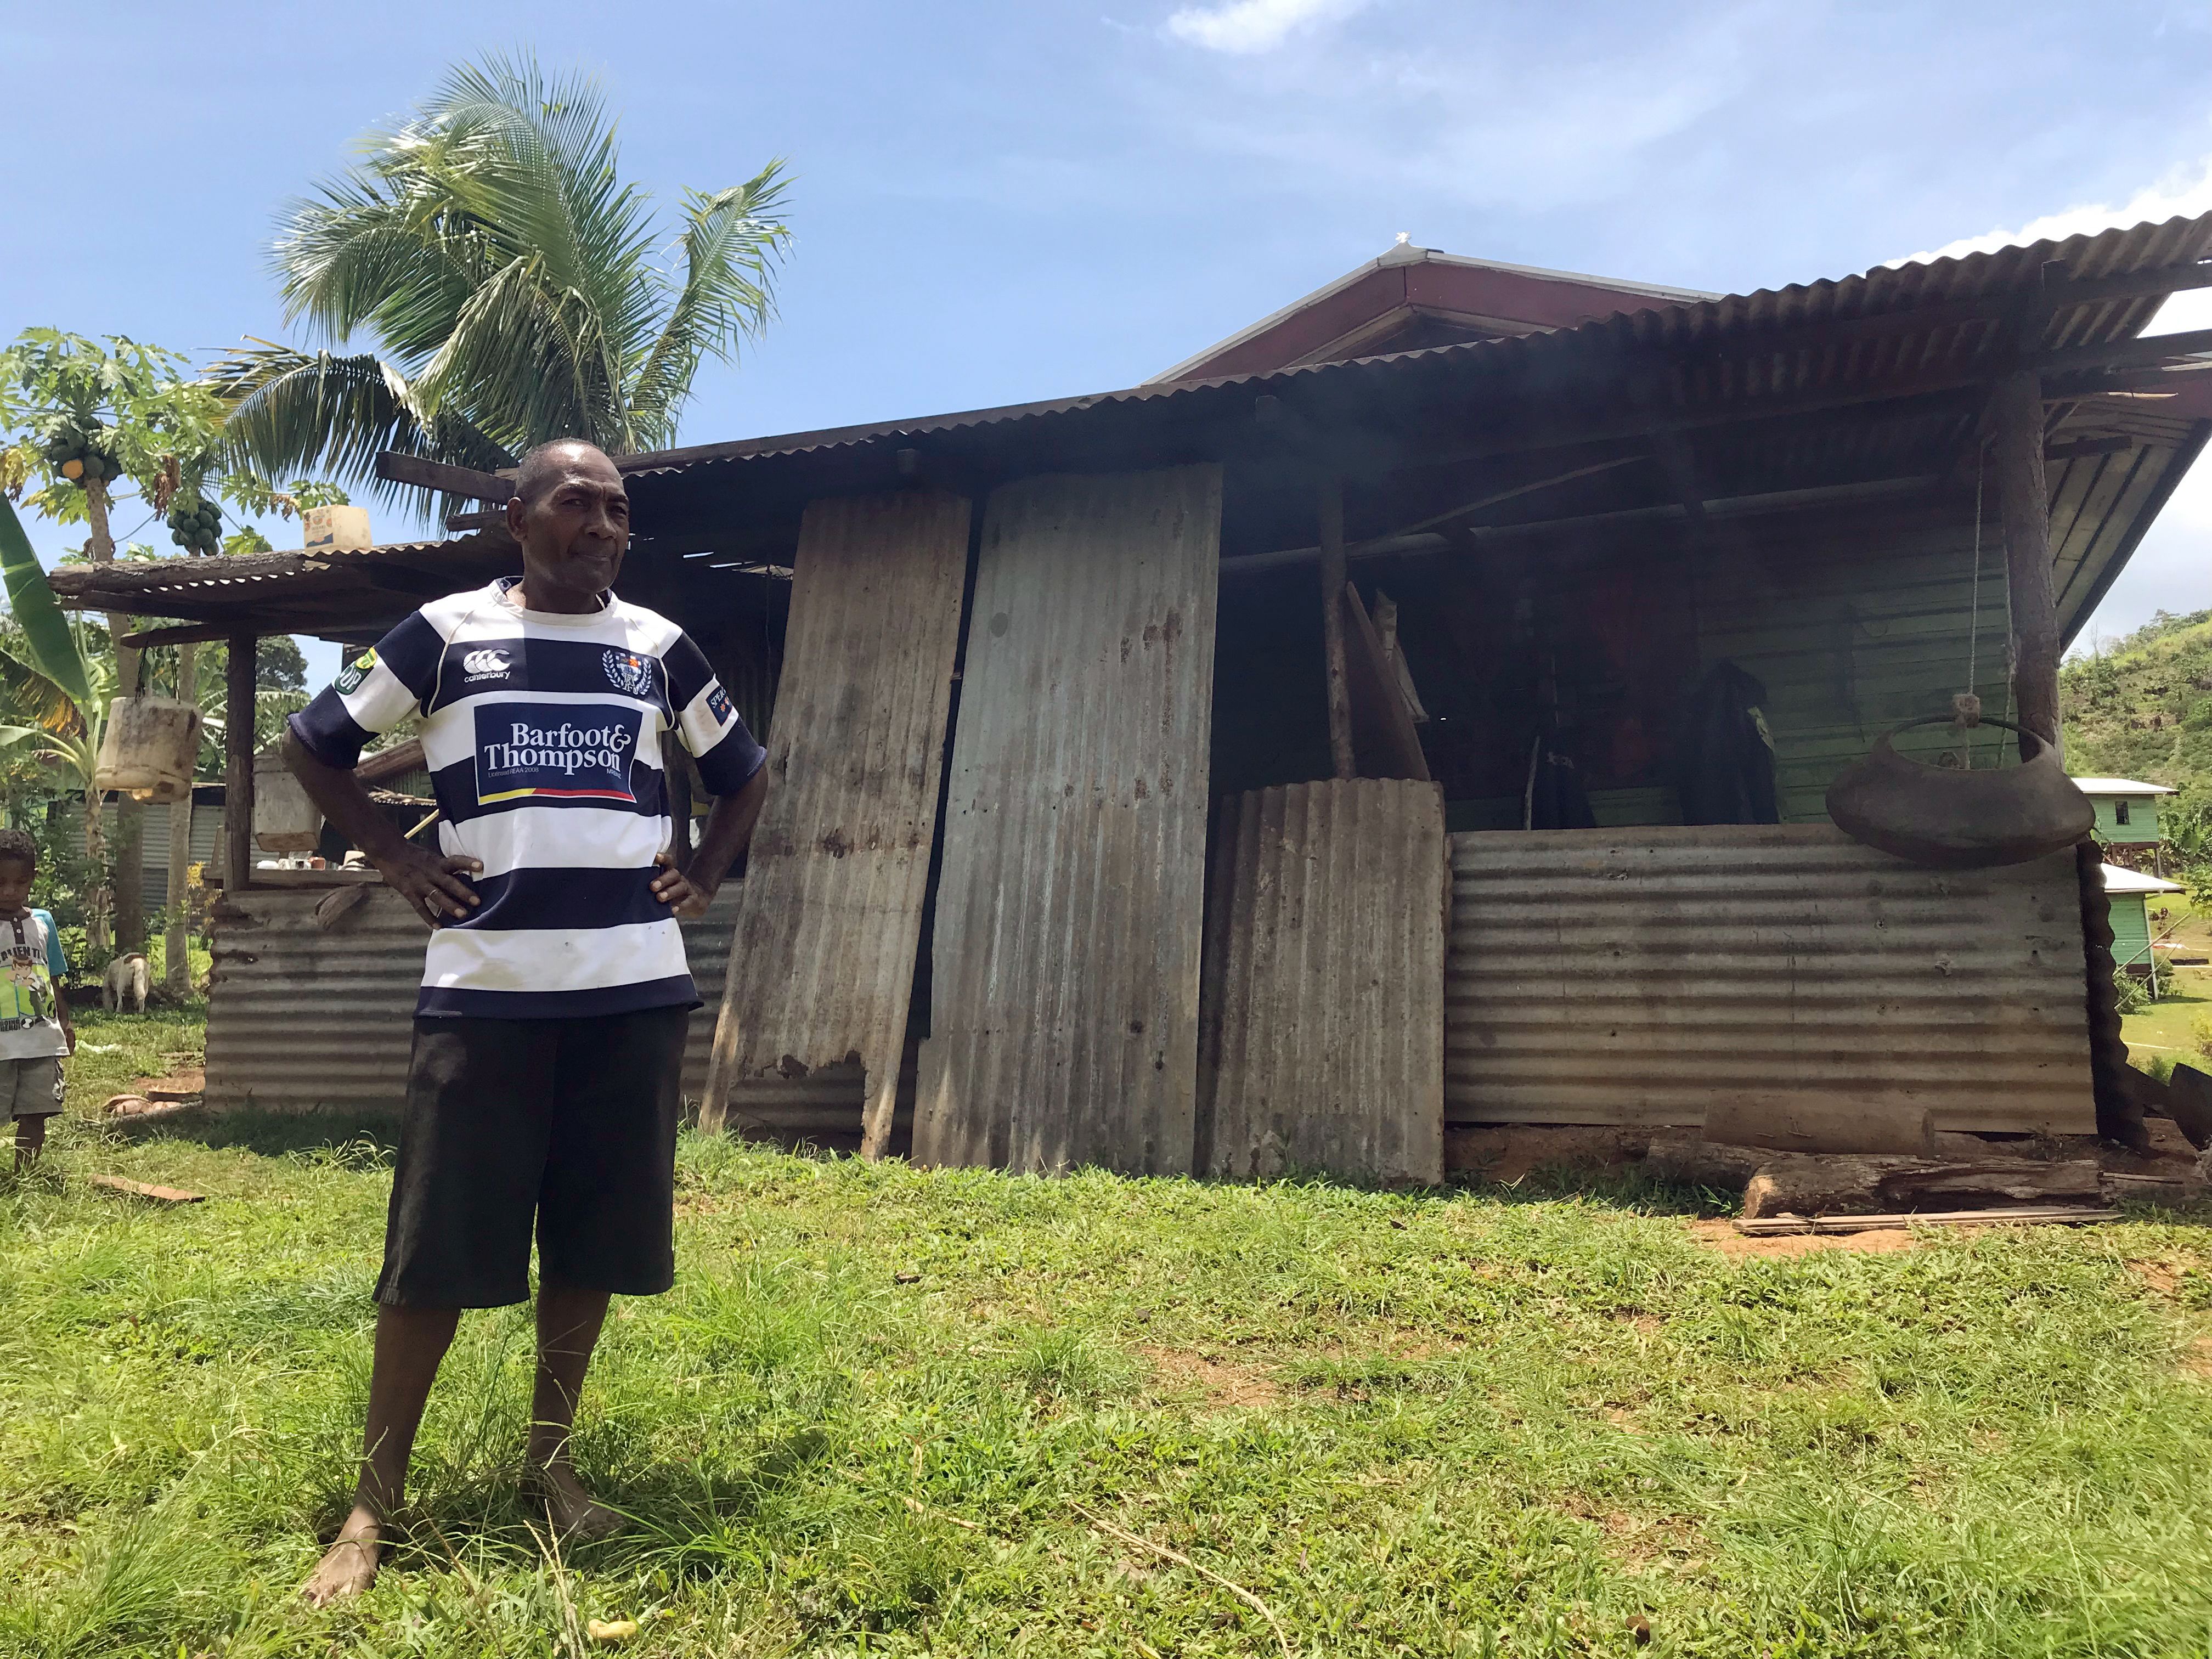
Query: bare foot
{"x":349,"y":1566}
{"x":576,"y":1513}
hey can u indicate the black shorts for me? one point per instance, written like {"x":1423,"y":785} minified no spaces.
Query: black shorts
{"x":570,"y":1123}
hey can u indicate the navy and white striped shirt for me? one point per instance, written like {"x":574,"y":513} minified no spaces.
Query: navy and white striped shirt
{"x":542,"y":733}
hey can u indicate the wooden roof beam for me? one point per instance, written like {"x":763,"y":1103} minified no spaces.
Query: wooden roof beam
{"x":393,"y":467}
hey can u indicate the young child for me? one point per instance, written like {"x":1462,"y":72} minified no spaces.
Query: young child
{"x":35,"y":1019}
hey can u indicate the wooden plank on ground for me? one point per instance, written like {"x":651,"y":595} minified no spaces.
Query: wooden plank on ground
{"x":146,"y":1189}
{"x":829,"y":928}
{"x":2017,"y":1215}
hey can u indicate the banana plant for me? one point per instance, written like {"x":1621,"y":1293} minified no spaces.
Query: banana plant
{"x":58,"y":693}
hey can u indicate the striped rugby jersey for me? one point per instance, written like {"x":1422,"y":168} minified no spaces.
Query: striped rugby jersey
{"x":542,"y":733}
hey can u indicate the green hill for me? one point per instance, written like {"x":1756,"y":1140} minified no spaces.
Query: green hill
{"x":2141,"y":707}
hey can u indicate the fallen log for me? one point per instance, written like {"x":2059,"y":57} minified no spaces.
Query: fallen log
{"x":1802,"y":1125}
{"x":2178,"y":1190}
{"x":1689,"y":1162}
{"x":1799,"y":1183}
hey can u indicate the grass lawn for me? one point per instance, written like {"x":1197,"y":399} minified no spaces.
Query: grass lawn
{"x":887,"y":1411}
{"x":2167,"y":1029}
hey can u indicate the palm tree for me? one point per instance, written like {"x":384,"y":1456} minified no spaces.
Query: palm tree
{"x":510,"y":280}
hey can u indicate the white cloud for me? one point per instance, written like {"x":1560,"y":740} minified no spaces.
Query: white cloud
{"x":2169,"y":571}
{"x":2185,"y":193}
{"x":1245,"y":27}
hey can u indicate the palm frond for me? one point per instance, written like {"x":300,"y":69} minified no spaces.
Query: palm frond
{"x":294,"y":412}
{"x":732,"y":241}
{"x":512,"y":280}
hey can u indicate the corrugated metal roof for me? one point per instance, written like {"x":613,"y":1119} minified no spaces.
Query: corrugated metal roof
{"x":1321,"y":1030}
{"x":1064,"y":1012}
{"x":1635,"y":977}
{"x":1891,"y":333}
{"x":1402,"y":256}
{"x":828,"y":924}
{"x":1733,"y":320}
{"x":2119,"y":787}
{"x":2117,"y":879}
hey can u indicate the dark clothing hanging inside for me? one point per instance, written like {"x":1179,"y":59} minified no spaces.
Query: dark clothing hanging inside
{"x":1555,"y":798}
{"x":1725,"y":759}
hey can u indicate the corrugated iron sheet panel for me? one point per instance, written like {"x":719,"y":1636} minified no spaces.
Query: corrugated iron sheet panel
{"x":830,"y":921}
{"x":1607,"y":976}
{"x":301,"y":1019}
{"x":1321,"y":1030}
{"x":1064,"y":1024}
{"x":67,"y":817}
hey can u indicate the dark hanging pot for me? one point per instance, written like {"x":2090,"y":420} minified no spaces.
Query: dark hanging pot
{"x":1953,"y":819}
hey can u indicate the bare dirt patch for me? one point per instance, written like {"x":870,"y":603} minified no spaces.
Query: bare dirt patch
{"x":2160,"y":1277}
{"x":1223,"y":1385}
{"x":1634,"y":1541}
{"x":1722,"y":1236}
{"x":2197,"y":1359}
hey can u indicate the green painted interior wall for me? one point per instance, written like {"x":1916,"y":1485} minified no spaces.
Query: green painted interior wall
{"x":1856,"y":624}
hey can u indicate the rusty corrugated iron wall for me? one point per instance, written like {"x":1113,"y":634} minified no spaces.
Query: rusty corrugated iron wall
{"x":1634,"y":975}
{"x":303,"y":1017}
{"x":828,"y":921}
{"x":1321,"y":1026}
{"x":1064,"y":1020}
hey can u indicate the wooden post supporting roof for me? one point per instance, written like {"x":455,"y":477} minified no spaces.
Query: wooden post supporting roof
{"x":237,"y":762}
{"x":1331,"y":626}
{"x":2024,"y":501}
{"x":176,"y":944}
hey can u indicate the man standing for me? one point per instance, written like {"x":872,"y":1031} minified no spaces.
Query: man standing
{"x":544,"y":1086}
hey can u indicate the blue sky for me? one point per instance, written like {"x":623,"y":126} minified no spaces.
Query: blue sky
{"x":1002,"y":201}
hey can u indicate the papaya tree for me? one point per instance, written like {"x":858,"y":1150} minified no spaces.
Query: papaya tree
{"x":88,"y":423}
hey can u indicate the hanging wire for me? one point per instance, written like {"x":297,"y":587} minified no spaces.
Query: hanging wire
{"x":1974,"y":609}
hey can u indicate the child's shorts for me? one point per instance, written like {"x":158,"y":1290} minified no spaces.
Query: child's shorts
{"x":31,"y":1087}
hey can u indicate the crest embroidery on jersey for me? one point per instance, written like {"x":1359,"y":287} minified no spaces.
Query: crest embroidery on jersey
{"x":629,"y":673}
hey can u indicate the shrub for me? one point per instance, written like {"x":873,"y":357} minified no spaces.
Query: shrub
{"x":2129,"y":993}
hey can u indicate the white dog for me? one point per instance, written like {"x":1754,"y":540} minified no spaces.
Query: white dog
{"x":124,"y":986}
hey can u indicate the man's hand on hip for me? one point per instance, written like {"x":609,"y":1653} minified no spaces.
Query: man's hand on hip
{"x":437,"y":887}
{"x":686,"y":896}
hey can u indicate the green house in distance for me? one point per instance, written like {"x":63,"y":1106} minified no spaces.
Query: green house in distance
{"x":2129,"y":892}
{"x":2127,"y":811}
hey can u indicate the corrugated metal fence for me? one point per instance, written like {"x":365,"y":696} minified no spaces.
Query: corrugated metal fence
{"x":1632,"y":976}
{"x":829,"y":924}
{"x":1063,"y":1017}
{"x":153,"y":841}
{"x":1322,"y":1032}
{"x":302,"y":1018}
